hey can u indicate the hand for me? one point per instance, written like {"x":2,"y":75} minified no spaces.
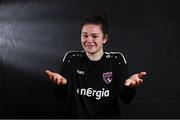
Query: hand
{"x":135,"y":80}
{"x":55,"y":77}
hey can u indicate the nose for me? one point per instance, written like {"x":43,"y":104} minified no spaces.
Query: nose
{"x":89,"y":39}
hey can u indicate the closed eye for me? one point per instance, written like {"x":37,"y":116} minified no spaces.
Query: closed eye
{"x":85,"y":36}
{"x":94,"y":36}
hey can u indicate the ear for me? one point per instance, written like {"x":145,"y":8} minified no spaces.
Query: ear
{"x":105,"y":38}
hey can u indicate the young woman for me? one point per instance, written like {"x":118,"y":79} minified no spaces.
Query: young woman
{"x":93,"y":82}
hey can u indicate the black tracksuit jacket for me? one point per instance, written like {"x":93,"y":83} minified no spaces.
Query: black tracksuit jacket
{"x":94,"y":88}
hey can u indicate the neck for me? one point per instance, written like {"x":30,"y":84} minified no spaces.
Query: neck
{"x":95,"y":56}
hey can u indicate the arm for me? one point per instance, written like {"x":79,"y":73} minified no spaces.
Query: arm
{"x":126,"y":93}
{"x":60,"y":86}
{"x":128,"y":84}
{"x":62,"y":79}
{"x":128,"y":90}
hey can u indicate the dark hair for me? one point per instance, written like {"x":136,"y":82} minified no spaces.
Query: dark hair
{"x":99,"y":18}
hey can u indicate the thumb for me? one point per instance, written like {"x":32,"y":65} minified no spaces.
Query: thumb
{"x":64,"y":81}
{"x":48,"y":72}
{"x":141,"y":74}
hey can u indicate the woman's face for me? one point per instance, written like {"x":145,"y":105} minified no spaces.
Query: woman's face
{"x":92,"y":38}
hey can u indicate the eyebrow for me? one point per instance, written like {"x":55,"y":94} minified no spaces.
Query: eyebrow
{"x":91,"y":33}
{"x":84,"y":32}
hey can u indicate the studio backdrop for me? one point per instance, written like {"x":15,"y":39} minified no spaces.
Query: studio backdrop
{"x":36,"y":34}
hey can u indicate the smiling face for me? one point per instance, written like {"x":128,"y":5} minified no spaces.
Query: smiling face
{"x":92,"y":38}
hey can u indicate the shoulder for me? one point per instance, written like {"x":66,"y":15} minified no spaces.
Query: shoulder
{"x":116,"y":56}
{"x":70,"y":55}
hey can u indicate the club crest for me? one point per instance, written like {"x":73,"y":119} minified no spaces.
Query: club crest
{"x":107,"y":77}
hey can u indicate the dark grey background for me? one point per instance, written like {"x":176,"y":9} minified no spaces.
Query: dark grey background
{"x":35,"y":35}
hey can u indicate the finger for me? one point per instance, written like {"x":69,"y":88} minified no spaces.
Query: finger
{"x":133,"y":82}
{"x":64,"y":81}
{"x":127,"y":83}
{"x":141,"y":74}
{"x":130,"y":82}
{"x":58,"y":81}
{"x":48,"y":72}
{"x":55,"y":78}
{"x":140,"y":81}
{"x":50,"y":76}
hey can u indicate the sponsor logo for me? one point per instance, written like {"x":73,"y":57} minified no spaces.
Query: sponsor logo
{"x":90,"y":92}
{"x":107,"y":77}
